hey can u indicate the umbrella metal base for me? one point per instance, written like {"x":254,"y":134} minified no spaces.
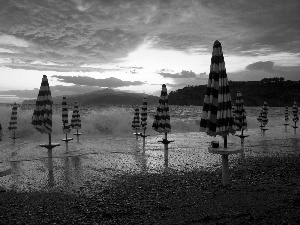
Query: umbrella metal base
{"x":264,"y":129}
{"x":241,"y":136}
{"x":166,"y":149}
{"x":77,"y":134}
{"x":49,"y":147}
{"x":67,"y":139}
{"x":224,"y":152}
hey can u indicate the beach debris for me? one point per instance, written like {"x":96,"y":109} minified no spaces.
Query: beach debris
{"x":13,"y":122}
{"x":42,"y":117}
{"x":76,"y":121}
{"x":217,"y":116}
{"x":161,"y":122}
{"x":136,"y":122}
{"x":295,"y":114}
{"x":65,"y":120}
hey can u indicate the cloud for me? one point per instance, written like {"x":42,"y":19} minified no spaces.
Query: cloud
{"x":182,"y":74}
{"x":92,"y":82}
{"x":287,"y":72}
{"x":265,"y":66}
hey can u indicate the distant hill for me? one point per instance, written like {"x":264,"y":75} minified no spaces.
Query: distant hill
{"x":275,"y":91}
{"x":104,"y":97}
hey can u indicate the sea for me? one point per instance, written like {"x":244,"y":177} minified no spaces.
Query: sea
{"x":107,"y":146}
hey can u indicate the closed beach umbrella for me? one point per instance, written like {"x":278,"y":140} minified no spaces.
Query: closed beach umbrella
{"x":144,"y":115}
{"x":1,"y":132}
{"x":42,"y":114}
{"x":42,"y":117}
{"x":265,"y":114}
{"x":136,"y":121}
{"x":13,"y":118}
{"x":295,"y":116}
{"x":65,"y":117}
{"x":76,"y":121}
{"x":259,"y":118}
{"x":295,"y":113}
{"x":240,"y":113}
{"x":286,"y":114}
{"x":217,"y":118}
{"x":161,"y":122}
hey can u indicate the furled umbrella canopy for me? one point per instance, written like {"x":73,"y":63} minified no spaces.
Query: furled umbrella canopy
{"x":42,"y":114}
{"x":286,"y":114}
{"x":144,"y":114}
{"x":1,"y":132}
{"x":65,"y":117}
{"x":76,"y":121}
{"x":265,"y":114}
{"x":136,"y":119}
{"x":295,"y":112}
{"x":260,"y":116}
{"x":217,"y":118}
{"x":13,"y":118}
{"x":161,"y":121}
{"x":240,"y":114}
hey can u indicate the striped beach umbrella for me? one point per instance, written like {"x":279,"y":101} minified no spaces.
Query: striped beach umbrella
{"x":260,"y":116}
{"x":286,"y":114}
{"x":161,"y":121}
{"x":136,"y":119}
{"x":1,"y":132}
{"x":76,"y":121}
{"x":265,"y":114}
{"x":240,"y":114}
{"x":217,"y":118}
{"x":65,"y":117}
{"x":295,"y":113}
{"x":144,"y":115}
{"x":42,"y":114}
{"x":13,"y":119}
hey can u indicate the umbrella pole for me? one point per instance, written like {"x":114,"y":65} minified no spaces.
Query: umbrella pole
{"x":225,"y":141}
{"x":67,"y":143}
{"x":14,"y":138}
{"x":225,"y":165}
{"x":144,"y":139}
{"x":295,"y":128}
{"x":166,"y":148}
{"x":136,"y":136}
{"x":242,"y":143}
{"x":77,"y":136}
{"x":50,"y":162}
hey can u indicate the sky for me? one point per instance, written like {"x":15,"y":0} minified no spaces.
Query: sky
{"x":138,"y":45}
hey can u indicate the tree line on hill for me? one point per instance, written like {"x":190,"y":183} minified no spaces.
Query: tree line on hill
{"x":275,"y":91}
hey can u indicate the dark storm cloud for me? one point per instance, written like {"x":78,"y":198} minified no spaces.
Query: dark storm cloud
{"x":260,"y":71}
{"x":92,"y":82}
{"x":181,"y":75}
{"x":96,"y":31}
{"x":266,"y":66}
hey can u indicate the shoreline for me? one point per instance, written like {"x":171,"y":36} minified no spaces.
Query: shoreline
{"x":262,"y":190}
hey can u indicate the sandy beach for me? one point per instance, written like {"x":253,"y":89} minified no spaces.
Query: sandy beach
{"x":111,"y":180}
